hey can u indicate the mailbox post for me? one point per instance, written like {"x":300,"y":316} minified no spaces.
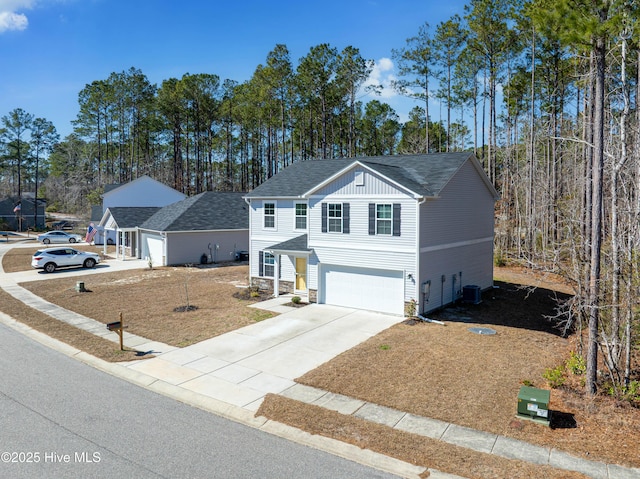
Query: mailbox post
{"x":117,"y":326}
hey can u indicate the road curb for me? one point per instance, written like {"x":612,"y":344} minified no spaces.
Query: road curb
{"x":365,"y":457}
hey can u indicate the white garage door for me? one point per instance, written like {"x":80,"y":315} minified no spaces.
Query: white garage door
{"x":363,"y":288}
{"x":153,"y":248}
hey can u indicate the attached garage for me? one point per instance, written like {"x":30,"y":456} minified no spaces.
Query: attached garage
{"x":362,"y":288}
{"x":153,"y":247}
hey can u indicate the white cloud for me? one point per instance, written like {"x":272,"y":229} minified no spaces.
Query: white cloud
{"x":12,"y":21}
{"x":9,"y":19}
{"x":382,"y":78}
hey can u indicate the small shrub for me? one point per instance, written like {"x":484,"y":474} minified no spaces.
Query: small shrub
{"x":296,"y":300}
{"x":576,"y":364}
{"x":499,"y":260}
{"x":255,"y":293}
{"x":410,"y":308}
{"x":632,"y":393}
{"x":385,"y":347}
{"x":526,"y":382}
{"x":555,"y":376}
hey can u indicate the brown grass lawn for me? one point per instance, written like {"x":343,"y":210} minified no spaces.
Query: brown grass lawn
{"x":151,"y":299}
{"x":451,"y":374}
{"x":444,"y":372}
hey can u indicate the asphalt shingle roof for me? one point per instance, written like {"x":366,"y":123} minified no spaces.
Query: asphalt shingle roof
{"x":299,"y":243}
{"x":204,"y":212}
{"x":424,"y":174}
{"x":131,"y":216}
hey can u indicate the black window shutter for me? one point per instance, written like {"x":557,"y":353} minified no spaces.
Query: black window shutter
{"x":324,"y":217}
{"x":261,"y":264}
{"x":345,"y":218}
{"x":396,"y":219}
{"x":372,"y":218}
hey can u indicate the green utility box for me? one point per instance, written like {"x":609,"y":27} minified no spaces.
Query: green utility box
{"x":533,"y":404}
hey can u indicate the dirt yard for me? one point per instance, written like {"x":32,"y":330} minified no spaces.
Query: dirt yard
{"x":449,"y":373}
{"x":174,"y":305}
{"x":445,"y":372}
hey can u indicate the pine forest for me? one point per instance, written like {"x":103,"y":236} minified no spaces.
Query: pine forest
{"x":544,"y":92}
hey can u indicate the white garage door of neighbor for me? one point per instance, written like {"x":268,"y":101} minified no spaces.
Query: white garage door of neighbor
{"x":363,"y":288}
{"x":155,"y":249}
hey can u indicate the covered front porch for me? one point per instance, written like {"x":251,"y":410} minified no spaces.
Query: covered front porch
{"x":290,"y":267}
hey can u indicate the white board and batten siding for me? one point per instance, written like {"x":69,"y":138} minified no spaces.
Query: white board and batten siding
{"x":143,"y":191}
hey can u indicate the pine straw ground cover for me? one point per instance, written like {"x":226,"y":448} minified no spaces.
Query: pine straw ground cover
{"x":451,"y":374}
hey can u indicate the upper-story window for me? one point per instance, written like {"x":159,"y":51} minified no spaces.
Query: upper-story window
{"x":383,"y":219}
{"x":301,"y":216}
{"x":269,"y":215}
{"x":334,"y":216}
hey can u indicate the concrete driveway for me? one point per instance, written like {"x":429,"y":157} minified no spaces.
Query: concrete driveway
{"x":242,"y":366}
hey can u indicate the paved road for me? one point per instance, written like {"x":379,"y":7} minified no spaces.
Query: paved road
{"x":70,"y":420}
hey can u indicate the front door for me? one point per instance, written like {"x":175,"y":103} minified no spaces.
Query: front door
{"x":301,"y":274}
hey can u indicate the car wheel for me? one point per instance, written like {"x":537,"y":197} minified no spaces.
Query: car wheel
{"x":89,"y":263}
{"x":50,"y":267}
{"x":46,"y":241}
{"x":72,"y":240}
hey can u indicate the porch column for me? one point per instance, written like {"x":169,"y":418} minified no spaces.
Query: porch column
{"x":276,"y":275}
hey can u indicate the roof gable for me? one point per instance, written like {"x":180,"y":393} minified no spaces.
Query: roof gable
{"x":127,"y":217}
{"x":145,"y":183}
{"x":423,"y":175}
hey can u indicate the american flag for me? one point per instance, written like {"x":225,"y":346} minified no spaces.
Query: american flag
{"x":91,"y":232}
{"x":17,"y":208}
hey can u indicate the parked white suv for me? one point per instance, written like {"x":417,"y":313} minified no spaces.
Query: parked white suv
{"x":51,"y":258}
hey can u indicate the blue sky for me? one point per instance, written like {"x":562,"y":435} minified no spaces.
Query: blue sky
{"x":50,"y":49}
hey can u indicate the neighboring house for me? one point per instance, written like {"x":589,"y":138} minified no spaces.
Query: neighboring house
{"x":141,"y":192}
{"x":213,"y":224}
{"x":18,"y":214}
{"x":121,"y":223}
{"x":375,"y":233}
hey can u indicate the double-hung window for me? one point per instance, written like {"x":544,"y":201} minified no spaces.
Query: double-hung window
{"x":301,"y":216}
{"x":383,"y":219}
{"x":269,"y":262}
{"x":334,"y":217}
{"x":269,"y":215}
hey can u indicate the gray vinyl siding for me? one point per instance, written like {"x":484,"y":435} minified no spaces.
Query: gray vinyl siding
{"x":475,"y":262}
{"x":464,"y":211}
{"x":188,"y":247}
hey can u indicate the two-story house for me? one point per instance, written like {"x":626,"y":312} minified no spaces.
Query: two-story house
{"x":375,"y":233}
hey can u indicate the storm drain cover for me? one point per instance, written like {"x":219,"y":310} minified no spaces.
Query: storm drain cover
{"x":483,"y":331}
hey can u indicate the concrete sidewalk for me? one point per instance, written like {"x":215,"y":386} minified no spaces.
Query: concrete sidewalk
{"x":230,"y":375}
